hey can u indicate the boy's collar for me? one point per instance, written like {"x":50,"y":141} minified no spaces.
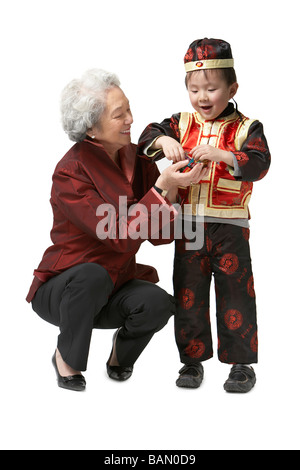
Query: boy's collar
{"x":227,"y":111}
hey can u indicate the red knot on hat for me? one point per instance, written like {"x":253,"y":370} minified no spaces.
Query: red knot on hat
{"x":208,"y":54}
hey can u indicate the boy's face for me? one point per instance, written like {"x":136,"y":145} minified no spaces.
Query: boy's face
{"x":209,"y":93}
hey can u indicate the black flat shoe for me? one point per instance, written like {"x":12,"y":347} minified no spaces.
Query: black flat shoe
{"x":119,"y":373}
{"x":72,"y":382}
{"x":191,"y":376}
{"x":241,"y":379}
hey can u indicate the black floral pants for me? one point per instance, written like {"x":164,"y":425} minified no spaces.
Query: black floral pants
{"x":226,"y":255}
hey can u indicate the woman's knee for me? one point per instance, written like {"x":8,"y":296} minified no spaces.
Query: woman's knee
{"x":162,"y":307}
{"x":154,"y":310}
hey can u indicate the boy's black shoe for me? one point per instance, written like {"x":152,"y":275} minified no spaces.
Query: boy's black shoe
{"x":191,"y":376}
{"x":241,"y":379}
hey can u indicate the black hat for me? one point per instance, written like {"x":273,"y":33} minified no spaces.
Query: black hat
{"x":208,"y":54}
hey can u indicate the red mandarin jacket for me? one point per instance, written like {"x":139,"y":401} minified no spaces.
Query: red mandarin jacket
{"x":84,"y":180}
{"x":220,"y":194}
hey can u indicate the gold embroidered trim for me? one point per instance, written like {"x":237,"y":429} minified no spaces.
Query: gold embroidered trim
{"x":242,"y":133}
{"x":229,"y":185}
{"x":209,"y":64}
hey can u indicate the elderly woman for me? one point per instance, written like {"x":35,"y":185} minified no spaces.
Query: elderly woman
{"x":104,"y":199}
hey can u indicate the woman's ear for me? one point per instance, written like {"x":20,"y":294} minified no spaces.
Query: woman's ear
{"x":90,"y":133}
{"x":233,"y":89}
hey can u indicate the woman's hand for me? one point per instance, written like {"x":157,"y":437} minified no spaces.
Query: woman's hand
{"x":171,"y":176}
{"x":171,"y":148}
{"x":207,"y":152}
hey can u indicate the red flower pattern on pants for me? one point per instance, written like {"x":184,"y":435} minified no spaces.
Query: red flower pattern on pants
{"x":229,"y":263}
{"x":195,"y":349}
{"x":233,"y":319}
{"x":227,"y":257}
{"x":186,"y":298}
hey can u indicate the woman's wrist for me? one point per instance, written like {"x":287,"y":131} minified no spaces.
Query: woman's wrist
{"x":161,"y":184}
{"x":162,"y":192}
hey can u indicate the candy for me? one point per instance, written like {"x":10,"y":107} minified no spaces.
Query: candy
{"x":192,"y":163}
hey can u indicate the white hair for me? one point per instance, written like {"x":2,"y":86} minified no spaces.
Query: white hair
{"x":83,"y":101}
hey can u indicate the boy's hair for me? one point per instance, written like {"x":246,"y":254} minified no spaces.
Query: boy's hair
{"x":227,"y":74}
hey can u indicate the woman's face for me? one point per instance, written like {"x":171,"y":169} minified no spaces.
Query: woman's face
{"x":113,"y":128}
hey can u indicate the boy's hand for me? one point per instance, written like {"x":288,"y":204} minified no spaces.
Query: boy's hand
{"x":207,"y":152}
{"x":171,"y":148}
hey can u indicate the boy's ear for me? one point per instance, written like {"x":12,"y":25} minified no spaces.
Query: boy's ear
{"x":233,"y":89}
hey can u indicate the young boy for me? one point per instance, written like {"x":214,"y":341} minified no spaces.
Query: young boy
{"x":236,"y":152}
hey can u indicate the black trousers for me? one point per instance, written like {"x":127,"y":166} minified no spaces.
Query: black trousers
{"x":79,"y":300}
{"x":226,"y":255}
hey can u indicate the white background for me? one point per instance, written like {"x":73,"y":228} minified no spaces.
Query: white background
{"x":43,"y":46}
